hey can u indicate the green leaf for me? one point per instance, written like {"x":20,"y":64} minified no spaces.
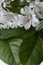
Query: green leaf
{"x":7,"y":33}
{"x":9,"y":51}
{"x":40,"y":34}
{"x":31,"y":52}
{"x":41,"y":0}
{"x":41,"y":38}
{"x":27,"y":47}
{"x":16,"y":32}
{"x":36,"y":55}
{"x":11,"y":42}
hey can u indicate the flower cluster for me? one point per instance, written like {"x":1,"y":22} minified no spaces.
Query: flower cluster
{"x":31,"y":15}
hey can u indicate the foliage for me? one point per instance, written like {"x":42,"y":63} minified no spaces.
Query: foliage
{"x":24,"y":47}
{"x":19,"y":46}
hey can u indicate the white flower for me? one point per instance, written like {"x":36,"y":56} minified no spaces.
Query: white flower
{"x":6,"y":2}
{"x":22,"y":20}
{"x":26,"y":22}
{"x":28,"y":0}
{"x":37,"y":0}
{"x":1,"y":1}
{"x":29,"y":18}
{"x":13,"y":24}
{"x":35,"y":21}
{"x":38,"y":9}
{"x":5,"y":16}
{"x":7,"y":19}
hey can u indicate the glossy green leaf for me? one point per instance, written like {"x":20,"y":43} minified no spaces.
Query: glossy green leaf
{"x":18,"y":47}
{"x":27,"y":47}
{"x":7,"y":33}
{"x":36,"y":55}
{"x":31,"y":51}
{"x":9,"y":51}
{"x":16,"y":32}
{"x":41,"y":34}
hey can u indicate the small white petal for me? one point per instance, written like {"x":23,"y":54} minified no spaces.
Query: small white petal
{"x":41,"y":63}
{"x":28,"y":0}
{"x":31,"y":5}
{"x":27,"y":25}
{"x":35,"y":22}
{"x":21,"y":0}
{"x":22,"y":10}
{"x":1,"y":1}
{"x":4,"y":4}
{"x":15,"y":24}
{"x":12,"y":0}
{"x":5,"y":26}
{"x":20,"y":20}
{"x":37,"y":0}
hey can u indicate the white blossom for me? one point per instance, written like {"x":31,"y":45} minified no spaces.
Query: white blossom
{"x":28,"y":0}
{"x":7,"y":19}
{"x":1,"y":1}
{"x":30,"y":16}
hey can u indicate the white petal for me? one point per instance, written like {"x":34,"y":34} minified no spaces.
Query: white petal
{"x":35,"y":22}
{"x":37,"y":0}
{"x":21,"y":0}
{"x":20,"y":20}
{"x":28,"y":0}
{"x":41,"y":7}
{"x":15,"y":24}
{"x":1,"y":26}
{"x":31,"y":5}
{"x":1,"y":1}
{"x":27,"y":25}
{"x":22,"y":11}
{"x":5,"y":26}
